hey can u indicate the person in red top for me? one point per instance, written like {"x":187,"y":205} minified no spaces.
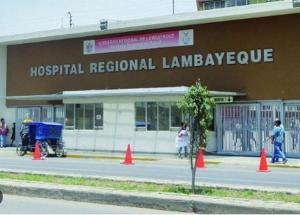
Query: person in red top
{"x":3,"y":133}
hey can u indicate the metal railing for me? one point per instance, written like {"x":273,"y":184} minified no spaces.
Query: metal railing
{"x":215,"y":4}
{"x":245,"y":128}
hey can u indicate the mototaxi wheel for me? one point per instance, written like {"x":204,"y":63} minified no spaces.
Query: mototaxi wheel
{"x":44,"y":149}
{"x":20,"y":150}
{"x":60,"y":151}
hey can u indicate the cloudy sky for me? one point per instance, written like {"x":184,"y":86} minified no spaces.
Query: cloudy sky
{"x":23,"y":16}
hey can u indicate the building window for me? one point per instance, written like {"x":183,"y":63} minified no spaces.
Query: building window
{"x":176,"y":115}
{"x":79,"y":116}
{"x":98,"y":116}
{"x":69,"y":120}
{"x":164,"y":116}
{"x":153,"y":116}
{"x":88,"y":116}
{"x":84,"y":116}
{"x":59,"y":114}
{"x":140,"y":115}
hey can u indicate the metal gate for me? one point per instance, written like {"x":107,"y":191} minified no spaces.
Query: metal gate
{"x":268,"y":113}
{"x":292,"y":128}
{"x":238,"y":128}
{"x":245,"y":128}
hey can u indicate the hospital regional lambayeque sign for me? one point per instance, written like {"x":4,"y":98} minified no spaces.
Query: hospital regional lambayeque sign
{"x":242,"y":57}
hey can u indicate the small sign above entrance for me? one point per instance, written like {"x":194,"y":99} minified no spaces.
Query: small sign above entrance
{"x":224,"y":99}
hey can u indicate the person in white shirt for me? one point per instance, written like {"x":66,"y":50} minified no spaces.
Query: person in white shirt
{"x":182,"y":140}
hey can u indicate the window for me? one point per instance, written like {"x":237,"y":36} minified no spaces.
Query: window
{"x":47,"y":114}
{"x":176,"y":116}
{"x":59,"y":114}
{"x":89,"y":116}
{"x":69,"y":120}
{"x":98,"y":115}
{"x":153,"y":116}
{"x":84,"y":116}
{"x":79,"y":116}
{"x":140,"y":115}
{"x":164,"y":116}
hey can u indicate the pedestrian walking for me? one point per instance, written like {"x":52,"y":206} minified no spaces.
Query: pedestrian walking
{"x":13,"y":134}
{"x":278,"y":140}
{"x":182,"y":140}
{"x":3,"y":133}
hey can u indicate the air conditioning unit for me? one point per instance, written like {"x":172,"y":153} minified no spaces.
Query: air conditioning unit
{"x":103,"y":24}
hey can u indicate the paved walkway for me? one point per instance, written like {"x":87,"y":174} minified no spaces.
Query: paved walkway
{"x":172,"y":159}
{"x":163,"y":158}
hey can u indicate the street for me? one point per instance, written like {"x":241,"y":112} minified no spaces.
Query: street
{"x":179,"y":171}
{"x":30,"y":205}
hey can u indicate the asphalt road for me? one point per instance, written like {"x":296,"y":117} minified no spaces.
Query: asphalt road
{"x":29,"y":205}
{"x":219,"y":174}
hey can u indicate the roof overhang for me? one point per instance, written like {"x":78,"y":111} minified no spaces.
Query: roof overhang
{"x":272,"y":8}
{"x":136,"y":92}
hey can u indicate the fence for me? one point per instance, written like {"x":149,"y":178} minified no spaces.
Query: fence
{"x":244,"y":128}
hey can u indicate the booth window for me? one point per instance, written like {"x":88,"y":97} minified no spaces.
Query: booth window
{"x":176,"y":115}
{"x":140,"y":115}
{"x":98,"y":116}
{"x":153,"y":116}
{"x":79,"y":116}
{"x":164,"y":116}
{"x":84,"y":116}
{"x":89,"y":116}
{"x":69,"y":120}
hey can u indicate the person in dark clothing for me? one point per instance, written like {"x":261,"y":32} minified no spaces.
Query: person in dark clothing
{"x":13,"y":134}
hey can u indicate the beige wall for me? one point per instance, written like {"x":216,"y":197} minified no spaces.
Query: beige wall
{"x":7,"y":114}
{"x":119,"y":128}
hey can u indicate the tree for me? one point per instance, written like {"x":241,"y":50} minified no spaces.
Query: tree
{"x":198,"y":105}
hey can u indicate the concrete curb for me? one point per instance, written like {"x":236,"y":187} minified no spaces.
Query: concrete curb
{"x":170,"y":202}
{"x":158,"y":181}
{"x":120,"y":158}
{"x":284,"y":165}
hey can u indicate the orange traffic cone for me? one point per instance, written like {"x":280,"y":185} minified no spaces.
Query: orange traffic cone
{"x":263,"y":166}
{"x":128,"y":158}
{"x":200,"y":159}
{"x":37,"y":153}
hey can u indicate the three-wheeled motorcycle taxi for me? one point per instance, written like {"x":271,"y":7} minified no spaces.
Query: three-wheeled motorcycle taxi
{"x":46,"y":134}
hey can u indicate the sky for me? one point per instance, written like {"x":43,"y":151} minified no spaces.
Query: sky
{"x":25,"y":16}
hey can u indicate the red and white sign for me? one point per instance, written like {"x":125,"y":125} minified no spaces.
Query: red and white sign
{"x":139,"y":42}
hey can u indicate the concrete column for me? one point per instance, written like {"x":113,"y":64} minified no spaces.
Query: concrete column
{"x":7,"y":113}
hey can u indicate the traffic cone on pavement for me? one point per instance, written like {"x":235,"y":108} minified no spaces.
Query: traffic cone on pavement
{"x":200,"y":159}
{"x":263,"y":166}
{"x":128,"y":158}
{"x":37,"y":153}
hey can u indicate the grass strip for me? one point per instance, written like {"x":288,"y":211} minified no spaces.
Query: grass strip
{"x":153,"y":187}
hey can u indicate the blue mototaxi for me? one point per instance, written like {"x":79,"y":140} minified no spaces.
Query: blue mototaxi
{"x":46,"y":134}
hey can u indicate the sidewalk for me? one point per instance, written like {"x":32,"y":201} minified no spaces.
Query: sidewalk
{"x":173,"y":159}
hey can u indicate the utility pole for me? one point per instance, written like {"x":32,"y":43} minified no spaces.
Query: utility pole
{"x":70,"y":19}
{"x":173,"y":7}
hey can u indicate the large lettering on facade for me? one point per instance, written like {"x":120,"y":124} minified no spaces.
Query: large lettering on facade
{"x":243,"y":57}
